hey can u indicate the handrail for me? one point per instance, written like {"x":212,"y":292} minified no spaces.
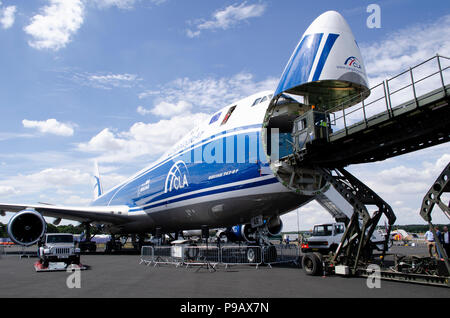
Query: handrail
{"x":385,"y":95}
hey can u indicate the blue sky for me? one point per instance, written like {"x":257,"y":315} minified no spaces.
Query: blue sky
{"x":87,"y":79}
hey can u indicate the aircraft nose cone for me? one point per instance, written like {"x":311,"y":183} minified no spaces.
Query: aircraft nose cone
{"x":330,"y":21}
{"x":326,"y":65}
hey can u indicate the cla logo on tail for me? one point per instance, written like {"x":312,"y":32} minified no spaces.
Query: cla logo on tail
{"x":353,"y":61}
{"x":177,"y":177}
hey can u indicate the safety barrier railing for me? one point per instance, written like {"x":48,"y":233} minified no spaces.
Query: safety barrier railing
{"x":418,"y":241}
{"x":239,"y":255}
{"x":201,"y":255}
{"x":278,"y":254}
{"x":18,"y":250}
{"x":213,"y":255}
{"x":168,"y":255}
{"x":146,"y":255}
{"x":385,"y":97}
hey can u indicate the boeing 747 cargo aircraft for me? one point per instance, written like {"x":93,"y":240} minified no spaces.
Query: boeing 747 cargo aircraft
{"x":226,"y":172}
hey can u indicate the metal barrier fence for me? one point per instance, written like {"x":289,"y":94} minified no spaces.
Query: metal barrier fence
{"x":18,"y":250}
{"x":146,"y":255}
{"x":213,"y":255}
{"x":238,"y":255}
{"x":418,"y":241}
{"x":277,"y":254}
{"x":201,"y":255}
{"x":168,"y":255}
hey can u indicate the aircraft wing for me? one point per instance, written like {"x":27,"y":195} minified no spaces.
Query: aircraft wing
{"x":103,"y":214}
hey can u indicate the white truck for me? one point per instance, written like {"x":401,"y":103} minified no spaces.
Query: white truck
{"x":58,"y":247}
{"x":325,"y":238}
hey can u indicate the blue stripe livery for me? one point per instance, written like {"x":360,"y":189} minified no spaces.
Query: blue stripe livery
{"x":323,"y":57}
{"x":299,"y":67}
{"x":180,"y":175}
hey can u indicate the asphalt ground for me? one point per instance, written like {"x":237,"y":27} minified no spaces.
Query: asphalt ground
{"x":121,"y":276}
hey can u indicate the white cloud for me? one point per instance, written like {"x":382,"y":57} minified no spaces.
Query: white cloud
{"x":192,"y":34}
{"x":57,"y":178}
{"x":403,"y":181}
{"x":104,"y":81}
{"x":211,"y":93}
{"x":104,"y":141}
{"x":228,"y":17}
{"x":141,"y":110}
{"x":108,"y":81}
{"x":51,"y":126}
{"x":305,"y":217}
{"x":7,"y":190}
{"x":113,"y":78}
{"x":54,"y":179}
{"x":7,"y":17}
{"x":76,"y":200}
{"x":123,"y":4}
{"x":165,"y":109}
{"x":406,"y":180}
{"x":405,"y":48}
{"x":7,"y":136}
{"x":141,"y":139}
{"x":54,"y":28}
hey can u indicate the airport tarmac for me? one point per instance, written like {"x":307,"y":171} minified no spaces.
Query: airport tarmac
{"x":122,"y":276}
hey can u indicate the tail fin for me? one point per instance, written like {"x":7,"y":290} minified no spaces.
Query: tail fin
{"x":98,"y":189}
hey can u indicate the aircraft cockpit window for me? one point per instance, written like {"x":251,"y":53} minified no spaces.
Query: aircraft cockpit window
{"x":263,"y":99}
{"x":256,"y":101}
{"x":227,"y":116}
{"x":215,"y":118}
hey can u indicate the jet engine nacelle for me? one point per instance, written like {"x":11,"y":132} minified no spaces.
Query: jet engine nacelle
{"x":241,"y":233}
{"x":26,"y":227}
{"x":274,"y":225}
{"x":245,"y":232}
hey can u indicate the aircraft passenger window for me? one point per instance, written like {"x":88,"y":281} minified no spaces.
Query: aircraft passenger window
{"x":227,"y":116}
{"x":256,"y":101}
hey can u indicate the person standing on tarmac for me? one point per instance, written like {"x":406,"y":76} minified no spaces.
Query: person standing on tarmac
{"x":431,"y":244}
{"x":439,"y":238}
{"x":446,"y":240}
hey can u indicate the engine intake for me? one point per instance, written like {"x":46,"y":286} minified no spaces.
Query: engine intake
{"x":241,"y":233}
{"x":274,"y":225}
{"x":26,"y":227}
